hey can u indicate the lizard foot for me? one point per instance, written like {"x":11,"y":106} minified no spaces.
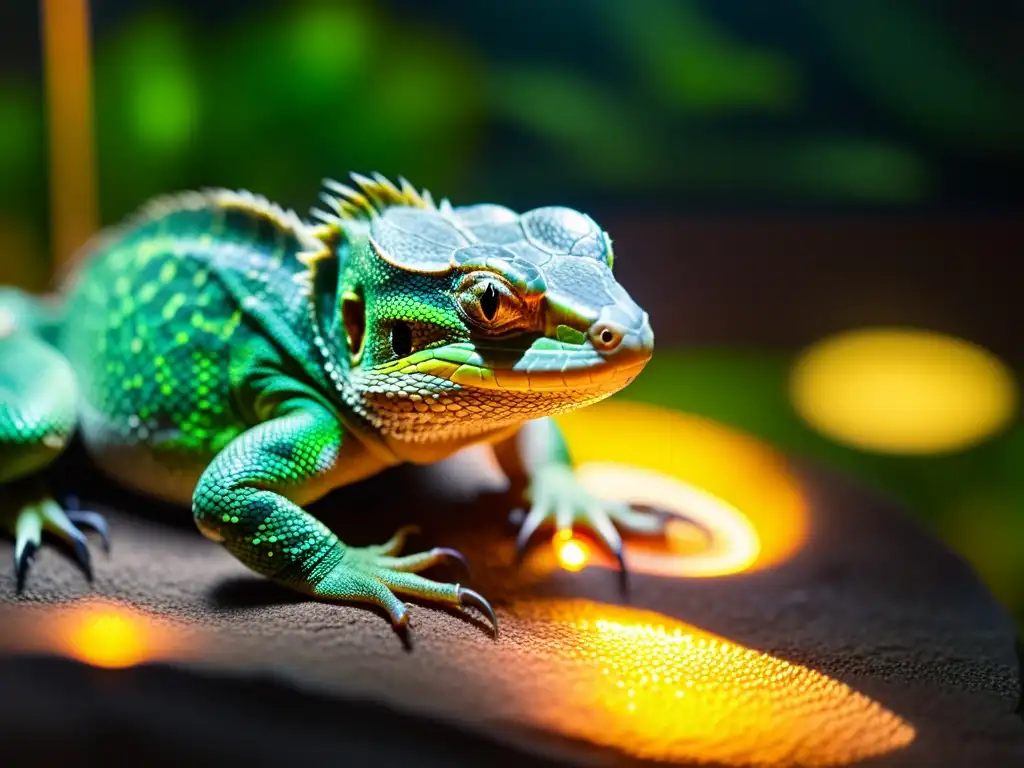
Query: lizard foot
{"x":41,"y":513}
{"x":558,"y":497}
{"x":376,"y":574}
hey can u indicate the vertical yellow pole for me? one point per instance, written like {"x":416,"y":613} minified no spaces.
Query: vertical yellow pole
{"x":74,"y":212}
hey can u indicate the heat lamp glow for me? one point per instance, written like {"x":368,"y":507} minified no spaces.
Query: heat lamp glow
{"x":572,"y":553}
{"x":661,"y":689}
{"x":715,"y":479}
{"x":111,"y":634}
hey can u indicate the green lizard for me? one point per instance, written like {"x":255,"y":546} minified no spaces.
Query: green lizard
{"x":217,"y":351}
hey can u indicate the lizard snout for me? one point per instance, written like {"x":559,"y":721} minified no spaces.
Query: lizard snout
{"x":621,"y":337}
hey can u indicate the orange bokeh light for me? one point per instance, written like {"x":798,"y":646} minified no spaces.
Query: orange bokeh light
{"x":106,"y":638}
{"x":110,"y":634}
{"x":572,"y":553}
{"x":729,"y":483}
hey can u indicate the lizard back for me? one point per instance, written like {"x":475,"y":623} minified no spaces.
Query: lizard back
{"x":161,"y":320}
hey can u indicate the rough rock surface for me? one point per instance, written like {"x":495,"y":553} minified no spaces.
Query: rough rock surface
{"x":872,"y":643}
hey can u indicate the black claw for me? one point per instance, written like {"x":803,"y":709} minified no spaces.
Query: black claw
{"x":666,"y":516}
{"x":623,"y":571}
{"x":81,"y":548}
{"x":476,"y":600}
{"x":21,"y":564}
{"x":96,"y":522}
{"x":455,"y":555}
{"x":522,"y":544}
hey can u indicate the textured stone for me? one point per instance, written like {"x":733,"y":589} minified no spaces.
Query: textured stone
{"x":873,"y":640}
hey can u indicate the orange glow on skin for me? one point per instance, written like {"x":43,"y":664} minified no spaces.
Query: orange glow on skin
{"x":662,"y":689}
{"x":732,"y":484}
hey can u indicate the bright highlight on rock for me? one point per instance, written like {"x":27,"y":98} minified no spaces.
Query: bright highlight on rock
{"x":573,"y":554}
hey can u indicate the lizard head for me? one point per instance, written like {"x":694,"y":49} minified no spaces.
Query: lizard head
{"x":465,"y":320}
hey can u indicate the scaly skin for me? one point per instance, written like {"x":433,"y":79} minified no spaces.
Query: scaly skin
{"x":217,"y":351}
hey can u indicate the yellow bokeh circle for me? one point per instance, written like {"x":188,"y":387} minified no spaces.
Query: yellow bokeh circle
{"x":903,"y":391}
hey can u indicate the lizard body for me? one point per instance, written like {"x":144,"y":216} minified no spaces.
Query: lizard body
{"x":217,"y":351}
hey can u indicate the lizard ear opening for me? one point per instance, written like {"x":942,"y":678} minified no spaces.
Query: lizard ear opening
{"x":353,"y":317}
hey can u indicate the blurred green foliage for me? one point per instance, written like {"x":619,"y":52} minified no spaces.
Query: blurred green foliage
{"x":693,"y":67}
{"x":274,"y":101}
{"x":912,"y":63}
{"x":640,"y":104}
{"x":644,"y":101}
{"x":22,"y":185}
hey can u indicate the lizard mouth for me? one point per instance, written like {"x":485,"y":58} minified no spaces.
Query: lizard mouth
{"x":546,"y":366}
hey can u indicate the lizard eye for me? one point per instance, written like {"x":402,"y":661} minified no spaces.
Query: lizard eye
{"x":489,"y":303}
{"x":490,"y":300}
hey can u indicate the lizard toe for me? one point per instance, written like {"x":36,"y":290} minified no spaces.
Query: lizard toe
{"x":365,"y":574}
{"x":39,"y":514}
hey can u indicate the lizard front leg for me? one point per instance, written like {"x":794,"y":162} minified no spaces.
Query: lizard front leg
{"x":538,"y":453}
{"x":38,"y":392}
{"x":244,"y":501}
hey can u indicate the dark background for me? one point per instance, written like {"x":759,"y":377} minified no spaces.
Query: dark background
{"x":771,"y":173}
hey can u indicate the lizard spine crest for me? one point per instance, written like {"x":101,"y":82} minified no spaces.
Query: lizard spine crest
{"x":366,"y":200}
{"x":370,"y":197}
{"x":317,"y":243}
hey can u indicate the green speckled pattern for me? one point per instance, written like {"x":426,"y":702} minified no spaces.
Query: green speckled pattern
{"x":261,"y":527}
{"x":219,"y":351}
{"x":152,"y":345}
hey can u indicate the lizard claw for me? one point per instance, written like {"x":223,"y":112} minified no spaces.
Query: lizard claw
{"x":456,"y":556}
{"x":87,"y":518}
{"x":623,"y":570}
{"x":530,"y":525}
{"x":80,"y":546}
{"x":366,"y":574}
{"x":467,"y":597}
{"x":558,"y":498}
{"x":41,"y":513}
{"x":24,"y":553}
{"x":96,"y":522}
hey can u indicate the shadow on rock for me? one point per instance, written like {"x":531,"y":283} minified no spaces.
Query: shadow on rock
{"x":252,"y":592}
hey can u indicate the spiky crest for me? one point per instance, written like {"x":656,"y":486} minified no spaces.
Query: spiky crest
{"x":217,"y":197}
{"x":369,"y":198}
{"x":316,"y":245}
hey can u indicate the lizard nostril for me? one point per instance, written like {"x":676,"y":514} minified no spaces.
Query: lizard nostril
{"x":606,"y":338}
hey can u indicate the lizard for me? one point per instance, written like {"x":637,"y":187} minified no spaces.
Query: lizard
{"x":218,"y":351}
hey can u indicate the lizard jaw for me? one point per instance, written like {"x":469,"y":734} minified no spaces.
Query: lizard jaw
{"x":548,"y":366}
